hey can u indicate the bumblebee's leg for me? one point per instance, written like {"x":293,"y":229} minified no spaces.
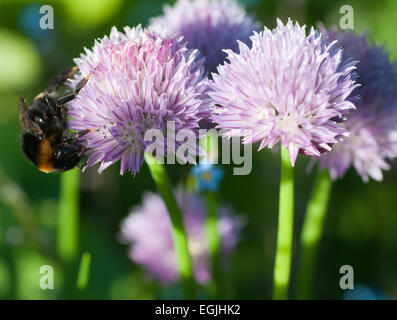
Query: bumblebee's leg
{"x":70,"y":96}
{"x":60,"y":79}
{"x":71,"y":136}
{"x":83,"y":133}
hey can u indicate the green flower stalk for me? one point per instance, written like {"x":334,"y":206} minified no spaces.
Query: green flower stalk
{"x":282,"y":267}
{"x":313,"y":226}
{"x":208,"y":177}
{"x":178,"y":230}
{"x":84,"y":274}
{"x":68,"y":216}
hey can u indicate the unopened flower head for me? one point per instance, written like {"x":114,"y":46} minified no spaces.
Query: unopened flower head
{"x":289,"y":87}
{"x":148,"y":232}
{"x":139,"y":81}
{"x":208,"y":25}
{"x":373,"y":126}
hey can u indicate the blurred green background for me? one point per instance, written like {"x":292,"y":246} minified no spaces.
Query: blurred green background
{"x":362,"y":219}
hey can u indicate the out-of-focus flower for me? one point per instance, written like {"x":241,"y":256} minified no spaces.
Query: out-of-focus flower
{"x":29,"y":22}
{"x":208,"y":25}
{"x":373,"y":126}
{"x":148,"y":231}
{"x":289,"y":87}
{"x":208,"y":176}
{"x":139,"y":81}
{"x":18,"y":57}
{"x":14,"y":235}
{"x":365,"y":292}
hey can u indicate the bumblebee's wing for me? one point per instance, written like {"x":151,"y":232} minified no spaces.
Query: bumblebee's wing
{"x":26,"y":124}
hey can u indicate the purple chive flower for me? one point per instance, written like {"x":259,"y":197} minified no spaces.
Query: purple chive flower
{"x":208,"y":25}
{"x":139,"y":81}
{"x":208,"y":176}
{"x":147,"y":230}
{"x":373,"y":126}
{"x":289,"y":87}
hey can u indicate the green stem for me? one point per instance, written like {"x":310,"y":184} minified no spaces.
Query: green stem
{"x":282,"y":267}
{"x":68,"y":219}
{"x":210,"y":145}
{"x":84,"y":274}
{"x":178,"y":231}
{"x":214,"y":241}
{"x":312,"y":231}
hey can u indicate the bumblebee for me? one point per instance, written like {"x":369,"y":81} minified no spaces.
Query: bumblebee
{"x":46,"y":140}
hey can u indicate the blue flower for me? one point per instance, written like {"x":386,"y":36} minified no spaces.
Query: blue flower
{"x":29,"y":22}
{"x":208,"y":176}
{"x":365,"y":292}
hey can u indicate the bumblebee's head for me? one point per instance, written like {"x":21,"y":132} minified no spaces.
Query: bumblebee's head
{"x":45,"y":114}
{"x":66,"y":156}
